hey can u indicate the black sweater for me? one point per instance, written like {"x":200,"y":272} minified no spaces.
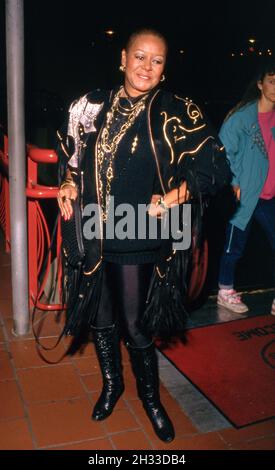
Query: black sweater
{"x":133,"y":184}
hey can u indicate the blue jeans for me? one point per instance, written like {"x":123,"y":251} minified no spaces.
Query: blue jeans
{"x":236,"y":239}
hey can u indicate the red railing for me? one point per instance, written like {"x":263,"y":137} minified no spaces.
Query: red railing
{"x":39,"y":236}
{"x":4,"y":193}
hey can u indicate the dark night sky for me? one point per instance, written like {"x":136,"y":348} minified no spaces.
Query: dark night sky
{"x":68,"y":54}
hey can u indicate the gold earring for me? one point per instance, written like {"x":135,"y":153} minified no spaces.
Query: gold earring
{"x":162,"y":78}
{"x":122,"y":68}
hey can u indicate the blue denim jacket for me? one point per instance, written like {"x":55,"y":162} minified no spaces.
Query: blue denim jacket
{"x":246,"y":152}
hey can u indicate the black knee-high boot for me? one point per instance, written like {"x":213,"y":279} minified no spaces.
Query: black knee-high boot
{"x":145,"y":367}
{"x":107,"y":347}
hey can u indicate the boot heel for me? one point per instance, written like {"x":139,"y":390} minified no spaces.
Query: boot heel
{"x":160,"y":420}
{"x":145,"y":368}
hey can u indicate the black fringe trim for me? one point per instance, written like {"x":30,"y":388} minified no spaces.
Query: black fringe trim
{"x":81,"y":296}
{"x":165,"y":316}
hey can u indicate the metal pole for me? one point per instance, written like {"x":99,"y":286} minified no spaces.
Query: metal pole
{"x":17,"y":163}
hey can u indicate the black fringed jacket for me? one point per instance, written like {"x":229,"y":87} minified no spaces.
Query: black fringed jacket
{"x":184,"y":145}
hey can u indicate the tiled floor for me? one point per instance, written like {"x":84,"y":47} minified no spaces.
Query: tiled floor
{"x":46,"y":406}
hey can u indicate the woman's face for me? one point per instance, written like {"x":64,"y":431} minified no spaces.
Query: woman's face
{"x":144,"y":62}
{"x":267,"y":87}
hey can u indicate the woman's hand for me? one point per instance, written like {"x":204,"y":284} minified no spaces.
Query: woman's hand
{"x":171,"y":199}
{"x":64,"y":198}
{"x":156,"y":210}
{"x":237,"y":192}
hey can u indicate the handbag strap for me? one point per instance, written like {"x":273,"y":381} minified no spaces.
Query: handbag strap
{"x":39,"y":345}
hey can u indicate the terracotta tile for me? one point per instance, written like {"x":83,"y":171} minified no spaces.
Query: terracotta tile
{"x":93,"y":382}
{"x":176,"y":444}
{"x":87,"y":365}
{"x":50,"y":383}
{"x":130,"y":391}
{"x":64,"y":422}
{"x":169,"y":402}
{"x":5,"y":307}
{"x":5,"y":276}
{"x":234,"y":436}
{"x":2,"y":241}
{"x":6,"y":370}
{"x":125,"y":355}
{"x":5,"y":270}
{"x":5,"y":259}
{"x":5,"y":285}
{"x":142,"y":419}
{"x":2,"y":335}
{"x":47,"y":323}
{"x":130,"y":384}
{"x":9,"y":328}
{"x":11,"y":403}
{"x":131,"y":440}
{"x":15,"y":435}
{"x":25,"y":353}
{"x":128,"y":373}
{"x":209,"y":441}
{"x":6,"y":293}
{"x":120,"y":420}
{"x":266,"y":443}
{"x":86,"y":350}
{"x":183,"y":425}
{"x":95,"y":444}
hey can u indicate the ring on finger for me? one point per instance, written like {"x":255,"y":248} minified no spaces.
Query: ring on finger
{"x":65,"y":198}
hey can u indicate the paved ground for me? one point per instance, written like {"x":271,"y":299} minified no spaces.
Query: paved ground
{"x":49,"y":406}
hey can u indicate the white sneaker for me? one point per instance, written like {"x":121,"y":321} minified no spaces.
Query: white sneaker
{"x":229,"y":298}
{"x":273,"y":307}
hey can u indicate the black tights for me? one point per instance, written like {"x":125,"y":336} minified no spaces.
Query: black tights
{"x":123,"y":298}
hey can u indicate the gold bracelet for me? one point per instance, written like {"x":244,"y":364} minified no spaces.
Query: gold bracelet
{"x":68,"y":183}
{"x":161,"y":203}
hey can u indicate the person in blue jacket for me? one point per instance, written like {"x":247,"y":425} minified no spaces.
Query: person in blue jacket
{"x":248,"y":134}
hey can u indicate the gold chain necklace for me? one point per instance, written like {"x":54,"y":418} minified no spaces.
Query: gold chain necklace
{"x":108,"y":145}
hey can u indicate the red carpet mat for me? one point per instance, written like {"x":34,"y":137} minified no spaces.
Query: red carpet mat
{"x":233,"y":365}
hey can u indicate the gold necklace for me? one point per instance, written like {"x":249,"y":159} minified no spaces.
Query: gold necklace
{"x":108,"y":145}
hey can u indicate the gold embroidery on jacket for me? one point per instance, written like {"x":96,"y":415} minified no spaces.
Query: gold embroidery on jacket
{"x":64,"y":150}
{"x":170,"y":181}
{"x":173,"y":126}
{"x":86,"y":273}
{"x":192,"y":152}
{"x":193,"y":111}
{"x":159,"y":273}
{"x":152,"y":141}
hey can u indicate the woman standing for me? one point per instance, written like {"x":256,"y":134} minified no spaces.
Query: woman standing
{"x":249,"y":138}
{"x":135,"y":145}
